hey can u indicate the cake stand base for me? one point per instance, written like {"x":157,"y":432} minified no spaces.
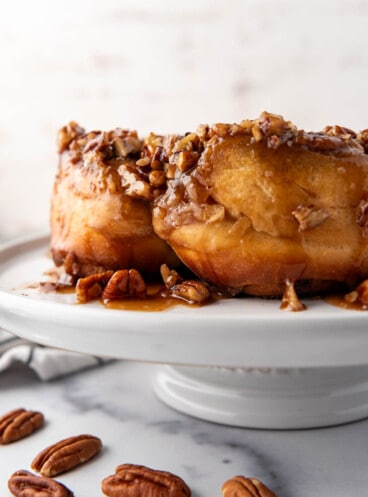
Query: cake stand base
{"x":266,"y":398}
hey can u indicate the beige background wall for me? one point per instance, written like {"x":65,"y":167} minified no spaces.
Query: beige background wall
{"x":167,"y":66}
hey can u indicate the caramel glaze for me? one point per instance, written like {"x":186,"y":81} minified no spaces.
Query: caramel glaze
{"x":158,"y":299}
{"x":51,"y":286}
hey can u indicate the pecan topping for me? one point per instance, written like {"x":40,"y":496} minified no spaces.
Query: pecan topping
{"x":67,"y":134}
{"x":362,"y":217}
{"x":290,"y":300}
{"x":133,"y":182}
{"x":66,"y":454}
{"x":91,"y":287}
{"x":125,"y":283}
{"x":309,"y":217}
{"x":359,"y":295}
{"x":25,"y":484}
{"x":131,"y":480}
{"x":186,"y":159}
{"x":194,"y":292}
{"x":18,"y":424}
{"x":340,"y":131}
{"x":169,"y":276}
{"x":239,"y":486}
{"x":123,"y":147}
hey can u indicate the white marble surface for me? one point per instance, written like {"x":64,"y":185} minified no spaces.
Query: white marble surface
{"x":116,"y":403}
{"x":165,"y":66}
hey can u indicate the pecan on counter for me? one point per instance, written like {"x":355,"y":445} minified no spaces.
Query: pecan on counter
{"x":66,"y":454}
{"x":131,"y":480}
{"x":18,"y":424}
{"x":22,"y":483}
{"x":239,"y":486}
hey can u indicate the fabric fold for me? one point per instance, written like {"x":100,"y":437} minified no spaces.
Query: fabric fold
{"x":47,"y":362}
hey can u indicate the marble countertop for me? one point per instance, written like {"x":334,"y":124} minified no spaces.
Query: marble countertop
{"x":116,"y":403}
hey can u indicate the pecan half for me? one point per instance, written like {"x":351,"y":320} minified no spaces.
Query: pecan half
{"x":25,"y":484}
{"x":66,"y":454}
{"x":131,"y":480}
{"x":239,"y":486}
{"x":18,"y":424}
{"x":91,"y":287}
{"x":125,"y":283}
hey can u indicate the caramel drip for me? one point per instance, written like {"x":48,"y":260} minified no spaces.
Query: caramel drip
{"x":290,"y":300}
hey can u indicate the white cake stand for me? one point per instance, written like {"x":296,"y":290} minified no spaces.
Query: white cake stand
{"x":240,"y":362}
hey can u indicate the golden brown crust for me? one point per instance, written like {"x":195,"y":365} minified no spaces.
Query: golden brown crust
{"x":250,"y":206}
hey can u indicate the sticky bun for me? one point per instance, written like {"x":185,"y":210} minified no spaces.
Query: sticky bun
{"x":249,"y":207}
{"x":101,"y":205}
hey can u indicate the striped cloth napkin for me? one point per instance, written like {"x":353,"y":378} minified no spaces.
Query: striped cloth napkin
{"x":47,"y":362}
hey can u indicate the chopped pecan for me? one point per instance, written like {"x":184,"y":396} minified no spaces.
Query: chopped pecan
{"x":125,"y":146}
{"x":91,"y":287}
{"x":133,"y":183}
{"x":290,"y":300}
{"x":188,"y":142}
{"x":362,"y":138}
{"x":157,"y":178}
{"x":125,"y":283}
{"x":342,"y":132}
{"x":25,"y":484}
{"x":186,"y":159}
{"x":18,"y":424}
{"x":143,"y":162}
{"x":323,"y":142}
{"x":240,"y":486}
{"x":359,"y":295}
{"x":257,"y":133}
{"x":169,"y":276}
{"x":131,"y":480}
{"x":309,"y":216}
{"x":158,"y":158}
{"x":362,"y":217}
{"x":97,"y":141}
{"x":194,"y":292}
{"x":67,"y":134}
{"x":66,"y":454}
